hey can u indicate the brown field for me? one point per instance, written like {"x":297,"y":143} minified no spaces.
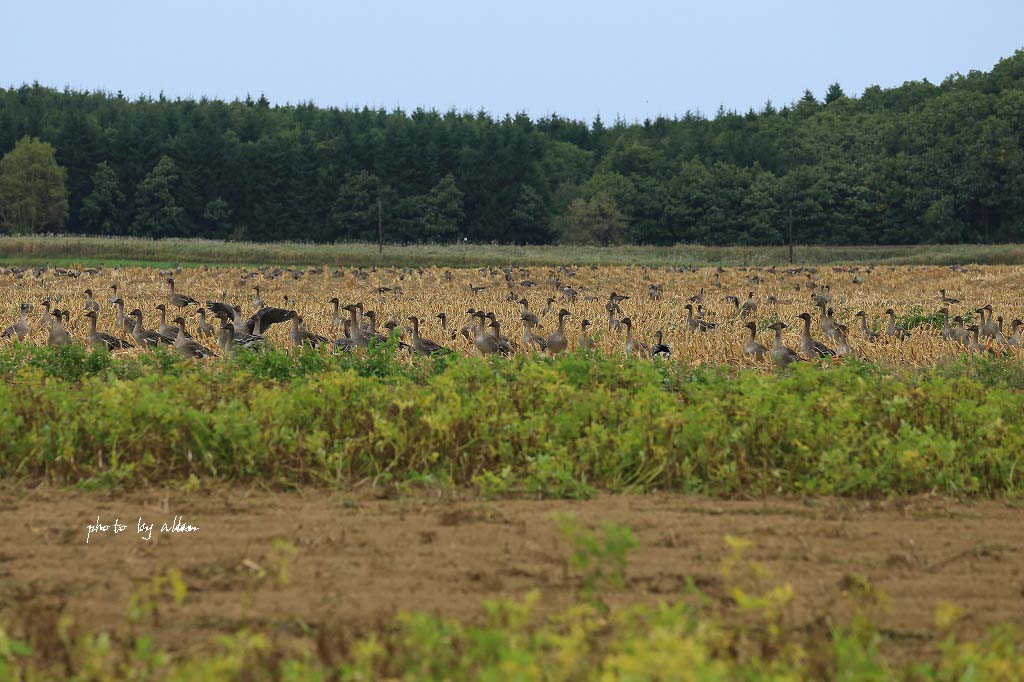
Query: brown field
{"x":354,"y":560}
{"x":426,"y":292}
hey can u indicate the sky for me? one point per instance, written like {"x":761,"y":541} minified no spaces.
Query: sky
{"x":629,"y":60}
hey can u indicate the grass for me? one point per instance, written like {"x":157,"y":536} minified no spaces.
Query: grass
{"x":67,"y":250}
{"x":558,"y":428}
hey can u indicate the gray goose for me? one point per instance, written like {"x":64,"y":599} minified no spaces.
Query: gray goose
{"x":58,"y":335}
{"x":947,"y":299}
{"x":422,"y":345}
{"x":147,"y":338}
{"x":660,"y":349}
{"x":695,"y":324}
{"x":782,"y":356}
{"x":337,"y":319}
{"x":98,"y":339}
{"x":164,"y":328}
{"x":121,"y":321}
{"x":586,"y":341}
{"x":808,"y":346}
{"x":893,"y":330}
{"x":204,"y":328}
{"x":529,"y":338}
{"x":302,"y":337}
{"x":870,"y":334}
{"x":19,"y":328}
{"x":90,"y":302}
{"x":751,"y":346}
{"x":557,"y":341}
{"x":633,"y":346}
{"x":179,"y":300}
{"x":189,"y":347}
{"x":749,"y":306}
{"x":1015,"y":339}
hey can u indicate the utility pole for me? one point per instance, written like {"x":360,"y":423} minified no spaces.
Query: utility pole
{"x":790,"y":236}
{"x":380,"y":231}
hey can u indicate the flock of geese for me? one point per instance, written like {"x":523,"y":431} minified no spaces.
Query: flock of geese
{"x":360,"y":328}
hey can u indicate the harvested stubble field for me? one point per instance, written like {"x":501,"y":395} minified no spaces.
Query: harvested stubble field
{"x":843,"y":519}
{"x":911,"y":291}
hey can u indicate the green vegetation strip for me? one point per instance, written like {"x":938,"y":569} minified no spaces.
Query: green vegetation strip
{"x":747,"y":633}
{"x":559,"y":427}
{"x":84,"y":251}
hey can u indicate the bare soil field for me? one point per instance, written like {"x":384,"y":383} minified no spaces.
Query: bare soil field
{"x":300,"y":564}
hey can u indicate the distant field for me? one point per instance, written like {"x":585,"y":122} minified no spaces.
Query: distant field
{"x":128,"y":251}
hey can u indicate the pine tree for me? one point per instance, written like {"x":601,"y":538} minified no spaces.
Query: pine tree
{"x":103,"y":209}
{"x":157,"y":213}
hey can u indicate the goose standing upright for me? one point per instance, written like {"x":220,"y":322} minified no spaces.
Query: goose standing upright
{"x":19,"y":328}
{"x":808,"y":346}
{"x":557,"y":341}
{"x":782,"y":356}
{"x":751,"y":346}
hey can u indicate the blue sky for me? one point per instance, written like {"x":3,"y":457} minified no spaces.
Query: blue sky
{"x":620,"y":59}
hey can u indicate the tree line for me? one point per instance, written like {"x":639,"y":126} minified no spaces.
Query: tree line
{"x":921,"y":162}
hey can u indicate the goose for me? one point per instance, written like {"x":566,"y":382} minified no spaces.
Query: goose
{"x":422,"y":345}
{"x":947,"y":299}
{"x":843,"y":346}
{"x":113,"y":294}
{"x":660,"y":349}
{"x":19,"y":328}
{"x":827,"y":324}
{"x":557,"y":341}
{"x":751,"y":346}
{"x":960,"y":334}
{"x":90,"y":302}
{"x":263,"y":318}
{"x":973,"y":345}
{"x":58,"y":336}
{"x":808,"y":346}
{"x":781,"y":355}
{"x":484,"y":341}
{"x":203,"y":328}
{"x":46,"y":317}
{"x":1014,"y":339}
{"x":698,"y":297}
{"x":989,"y":325}
{"x":301,"y":337}
{"x":999,"y":338}
{"x":614,"y":323}
{"x":586,"y":341}
{"x":226,"y":312}
{"x":823,"y":297}
{"x":549,"y":309}
{"x":145,"y":338}
{"x":337,"y":319}
{"x":257,"y":302}
{"x":504,"y":345}
{"x":121,"y":321}
{"x":947,"y":331}
{"x":345,"y":344}
{"x":189,"y":347}
{"x":179,"y":300}
{"x":632,"y":346}
{"x":870,"y":334}
{"x":893,"y":330}
{"x":529,"y":338}
{"x":694,"y":324}
{"x":716,"y":282}
{"x":360,"y":337}
{"x":749,"y":306}
{"x":164,"y":328}
{"x":98,"y":339}
{"x":226,"y":339}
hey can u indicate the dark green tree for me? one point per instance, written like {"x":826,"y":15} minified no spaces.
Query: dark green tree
{"x":157,"y":213}
{"x":103,"y":209}
{"x":442,"y":211}
{"x":33,"y":195}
